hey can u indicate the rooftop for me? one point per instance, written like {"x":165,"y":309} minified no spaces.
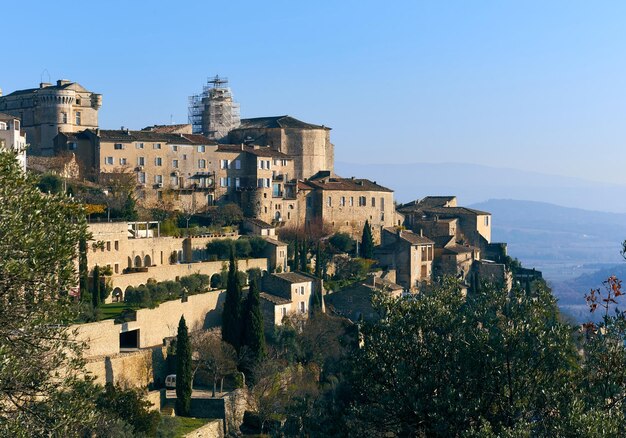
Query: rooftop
{"x":127,"y":136}
{"x":293,"y":277}
{"x":277,"y":122}
{"x":273,"y":298}
{"x":346,"y":184}
{"x":259,"y":151}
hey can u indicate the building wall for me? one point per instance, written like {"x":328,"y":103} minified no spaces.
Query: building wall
{"x":200,"y":311}
{"x":11,"y":139}
{"x":42,"y":112}
{"x":350,"y":217}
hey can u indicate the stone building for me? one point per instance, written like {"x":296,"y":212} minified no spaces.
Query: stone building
{"x":50,"y":109}
{"x":171,"y":170}
{"x":346,"y":203}
{"x":452,"y":258}
{"x":410,"y":255}
{"x":12,"y":137}
{"x":307,"y":144}
{"x":287,"y":294}
{"x":440,"y":216}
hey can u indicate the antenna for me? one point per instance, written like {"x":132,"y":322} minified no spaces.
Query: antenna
{"x":45,"y":70}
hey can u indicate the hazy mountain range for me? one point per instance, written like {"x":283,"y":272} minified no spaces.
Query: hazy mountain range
{"x":473,"y":183}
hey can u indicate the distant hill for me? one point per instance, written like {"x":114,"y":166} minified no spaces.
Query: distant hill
{"x":562,"y":242}
{"x":474,"y":183}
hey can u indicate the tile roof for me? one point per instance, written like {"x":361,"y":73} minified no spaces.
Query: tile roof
{"x":273,"y":298}
{"x":293,"y":277}
{"x":454,"y":211}
{"x":262,"y":151}
{"x":167,"y":129}
{"x":7,"y":117}
{"x":277,"y":122}
{"x":258,"y":222}
{"x":347,"y":184}
{"x":123,"y":136}
{"x":409,"y":236}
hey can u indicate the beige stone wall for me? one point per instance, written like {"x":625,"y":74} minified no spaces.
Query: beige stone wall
{"x":213,"y":429}
{"x":135,"y":369}
{"x":171,"y":272}
{"x":342,"y":211}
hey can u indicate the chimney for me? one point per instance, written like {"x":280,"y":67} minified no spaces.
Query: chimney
{"x":44,"y":84}
{"x":421,"y":232}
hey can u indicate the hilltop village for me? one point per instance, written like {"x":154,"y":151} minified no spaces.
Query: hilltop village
{"x":168,"y":205}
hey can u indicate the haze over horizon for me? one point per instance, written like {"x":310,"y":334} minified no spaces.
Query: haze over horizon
{"x":534,"y":86}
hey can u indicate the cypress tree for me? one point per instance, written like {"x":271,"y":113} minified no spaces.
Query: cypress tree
{"x":253,"y":335}
{"x":318,"y":261}
{"x":303,"y":256}
{"x":83,"y":274}
{"x":231,"y":317}
{"x":367,"y":242}
{"x":183,"y":369}
{"x":296,"y":255}
{"x":95,"y":294}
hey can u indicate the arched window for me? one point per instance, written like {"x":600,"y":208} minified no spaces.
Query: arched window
{"x":138,"y":262}
{"x":147,"y":261}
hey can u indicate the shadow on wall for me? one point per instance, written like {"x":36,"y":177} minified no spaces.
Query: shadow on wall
{"x":214,"y":317}
{"x":108,"y":370}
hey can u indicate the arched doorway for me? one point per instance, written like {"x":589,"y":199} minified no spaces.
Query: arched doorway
{"x":138,"y":262}
{"x":117,"y":295}
{"x":147,"y":261}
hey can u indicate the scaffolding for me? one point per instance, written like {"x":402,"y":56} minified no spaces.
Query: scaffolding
{"x":214,"y":112}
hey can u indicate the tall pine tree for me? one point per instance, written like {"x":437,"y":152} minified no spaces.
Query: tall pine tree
{"x":367,"y":242}
{"x":231,"y":317}
{"x":253,"y":335}
{"x":184,"y":375}
{"x":95,"y":293}
{"x":83,"y":273}
{"x":303,"y":256}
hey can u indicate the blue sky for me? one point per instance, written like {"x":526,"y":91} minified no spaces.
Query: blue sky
{"x":531,"y":85}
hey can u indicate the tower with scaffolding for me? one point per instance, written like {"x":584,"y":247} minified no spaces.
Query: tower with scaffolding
{"x":214,"y":112}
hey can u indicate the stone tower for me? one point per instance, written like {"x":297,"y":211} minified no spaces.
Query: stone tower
{"x":214,"y":112}
{"x":50,"y":109}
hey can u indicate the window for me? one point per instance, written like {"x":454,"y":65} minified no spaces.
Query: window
{"x":118,"y":146}
{"x":201,"y":164}
{"x":141,"y":161}
{"x":108,"y":160}
{"x":223,"y":182}
{"x":329,"y":201}
{"x":63,"y":117}
{"x":117,"y":245}
{"x":486,"y":221}
{"x":175,"y":164}
{"x":283,"y":311}
{"x":362,"y":201}
{"x":267,"y":163}
{"x":301,"y":290}
{"x":71,"y":146}
{"x":156,"y":146}
{"x":122,"y":161}
{"x":237,"y":164}
{"x":139,"y":145}
{"x":373,"y":202}
{"x":237,"y":182}
{"x":141,"y":176}
{"x":78,"y":101}
{"x":158,"y":179}
{"x":109,"y":246}
{"x":158,"y":161}
{"x":302,"y":307}
{"x":382,"y":204}
{"x":342,"y":201}
{"x":77,"y":118}
{"x":184,"y":156}
{"x":201,"y":148}
{"x":175,"y":148}
{"x":261,"y":164}
{"x":263,"y":182}
{"x":351,"y":201}
{"x":117,"y":268}
{"x":173,"y":180}
{"x":224,"y":164}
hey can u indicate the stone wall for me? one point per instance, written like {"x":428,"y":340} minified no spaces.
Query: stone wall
{"x":213,"y":429}
{"x":137,"y":368}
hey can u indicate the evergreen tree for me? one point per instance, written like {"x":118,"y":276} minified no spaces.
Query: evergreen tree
{"x":183,"y":369}
{"x":367,"y":242}
{"x":296,"y":255}
{"x":303,"y":256}
{"x":95,"y":295}
{"x":253,"y":335}
{"x":231,"y":317}
{"x":83,"y":274}
{"x":318,"y":261}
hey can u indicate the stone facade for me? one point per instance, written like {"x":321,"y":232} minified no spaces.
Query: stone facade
{"x":287,"y":294}
{"x":309,"y":145}
{"x":50,"y":109}
{"x":12,"y":138}
{"x":409,"y":254}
